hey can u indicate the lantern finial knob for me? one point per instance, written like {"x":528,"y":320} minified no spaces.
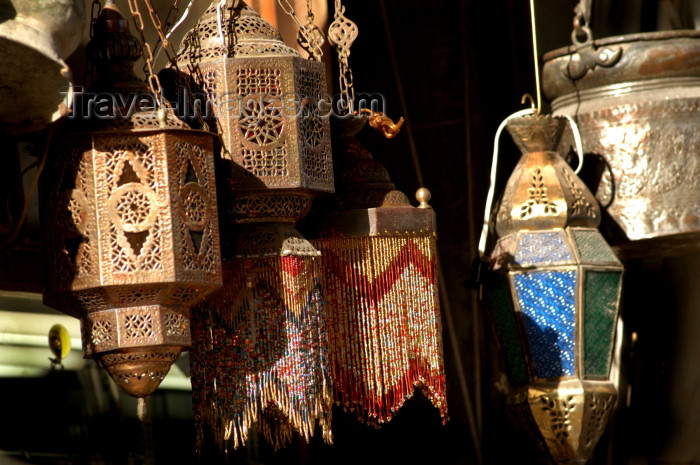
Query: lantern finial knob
{"x":423,"y":196}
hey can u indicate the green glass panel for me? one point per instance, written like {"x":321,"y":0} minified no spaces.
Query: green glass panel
{"x":601,"y":290}
{"x":499,"y":301}
{"x":592,"y":247}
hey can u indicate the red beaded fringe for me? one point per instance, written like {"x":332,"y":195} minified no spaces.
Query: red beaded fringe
{"x":259,"y":354}
{"x":383,"y":322}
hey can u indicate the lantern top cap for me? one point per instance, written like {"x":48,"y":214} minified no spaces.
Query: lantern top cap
{"x":543,"y":192}
{"x":537,"y":133}
{"x":243,"y":31}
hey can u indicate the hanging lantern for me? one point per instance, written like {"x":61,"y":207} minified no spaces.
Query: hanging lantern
{"x":130,"y":221}
{"x":554,"y":297}
{"x":635,"y":98}
{"x":267,"y":325}
{"x":380,"y":283}
{"x":265,"y":99}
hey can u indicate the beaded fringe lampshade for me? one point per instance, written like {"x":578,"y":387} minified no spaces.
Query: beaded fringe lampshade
{"x":259,"y":355}
{"x":554,"y":297}
{"x":380,"y":282}
{"x":129,"y":213}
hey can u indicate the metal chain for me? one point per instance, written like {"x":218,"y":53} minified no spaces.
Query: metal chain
{"x":309,"y":37}
{"x":95,"y":11}
{"x":162,"y":38}
{"x":153,"y":81}
{"x":341,"y":34}
{"x":582,"y":23}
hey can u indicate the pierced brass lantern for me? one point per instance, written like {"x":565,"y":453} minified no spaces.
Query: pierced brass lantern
{"x":554,"y":297}
{"x":265,"y":99}
{"x":130,"y":221}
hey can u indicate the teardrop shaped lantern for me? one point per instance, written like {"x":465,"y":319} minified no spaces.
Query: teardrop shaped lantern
{"x":267,"y":324}
{"x":129,"y":213}
{"x":554,"y":297}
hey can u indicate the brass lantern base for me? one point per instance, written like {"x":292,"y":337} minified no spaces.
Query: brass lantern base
{"x":565,"y":418}
{"x":139,"y":371}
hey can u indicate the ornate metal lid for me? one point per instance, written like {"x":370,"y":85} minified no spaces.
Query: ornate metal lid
{"x":244,"y":32}
{"x":118,"y":100}
{"x":543,"y":192}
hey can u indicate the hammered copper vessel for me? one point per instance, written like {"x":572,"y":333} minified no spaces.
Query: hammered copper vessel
{"x":636,"y":100}
{"x":35,"y":38}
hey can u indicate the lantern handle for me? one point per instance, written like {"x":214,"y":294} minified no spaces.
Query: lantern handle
{"x":577,"y":141}
{"x":492,"y":178}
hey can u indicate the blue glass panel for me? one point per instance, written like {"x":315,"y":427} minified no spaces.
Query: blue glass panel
{"x":542,"y":248}
{"x":547,"y":303}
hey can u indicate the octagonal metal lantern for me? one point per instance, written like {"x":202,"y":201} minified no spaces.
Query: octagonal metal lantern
{"x":265,"y":100}
{"x":129,"y":214}
{"x":554,"y":297}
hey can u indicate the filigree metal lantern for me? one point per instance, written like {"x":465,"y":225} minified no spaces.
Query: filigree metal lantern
{"x":129,"y":212}
{"x":380,"y":284}
{"x":266,"y":100}
{"x":267,"y":324}
{"x":554,"y":297}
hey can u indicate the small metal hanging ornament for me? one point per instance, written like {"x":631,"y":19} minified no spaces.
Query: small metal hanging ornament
{"x":129,"y":211}
{"x":554,"y":297}
{"x":380,"y":281}
{"x":267,"y":324}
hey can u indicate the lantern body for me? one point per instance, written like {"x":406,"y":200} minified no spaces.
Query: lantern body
{"x":132,"y":241}
{"x":267,"y":324}
{"x":554,"y":298}
{"x":265,"y":99}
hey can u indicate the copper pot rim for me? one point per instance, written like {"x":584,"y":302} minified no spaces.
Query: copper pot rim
{"x":655,"y":36}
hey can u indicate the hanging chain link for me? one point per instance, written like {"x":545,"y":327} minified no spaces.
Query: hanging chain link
{"x":310,"y":37}
{"x":95,"y":11}
{"x":582,"y":23}
{"x":341,"y":34}
{"x":153,"y":81}
{"x":162,"y":38}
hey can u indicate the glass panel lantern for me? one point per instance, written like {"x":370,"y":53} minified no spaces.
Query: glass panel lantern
{"x":554,"y":297}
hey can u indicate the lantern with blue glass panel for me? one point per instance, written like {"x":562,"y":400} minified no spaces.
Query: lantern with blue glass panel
{"x":554,"y":297}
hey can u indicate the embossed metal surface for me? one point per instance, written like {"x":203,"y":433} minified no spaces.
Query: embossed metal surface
{"x":543,"y":192}
{"x":641,"y":116}
{"x":570,"y":416}
{"x":35,"y":38}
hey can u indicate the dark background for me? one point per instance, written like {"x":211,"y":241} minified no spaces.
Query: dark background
{"x":463,"y":66}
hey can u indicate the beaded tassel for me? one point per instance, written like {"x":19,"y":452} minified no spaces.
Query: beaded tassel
{"x":259,"y":356}
{"x":384,"y":326}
